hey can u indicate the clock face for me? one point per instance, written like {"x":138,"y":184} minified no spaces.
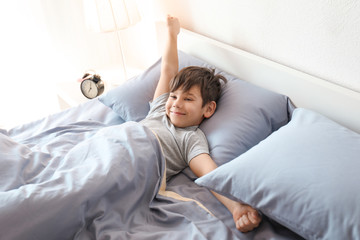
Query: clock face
{"x":89,"y":88}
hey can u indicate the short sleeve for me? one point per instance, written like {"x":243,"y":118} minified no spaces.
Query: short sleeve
{"x":158,"y":104}
{"x":196,"y":144}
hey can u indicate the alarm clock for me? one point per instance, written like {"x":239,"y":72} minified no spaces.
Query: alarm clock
{"x":91,"y":85}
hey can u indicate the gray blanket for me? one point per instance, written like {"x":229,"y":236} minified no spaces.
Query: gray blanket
{"x":90,"y":181}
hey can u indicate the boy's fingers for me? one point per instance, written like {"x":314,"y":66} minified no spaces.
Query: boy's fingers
{"x":245,"y":219}
{"x":238,"y":223}
{"x":244,"y":224}
{"x":254,"y":217}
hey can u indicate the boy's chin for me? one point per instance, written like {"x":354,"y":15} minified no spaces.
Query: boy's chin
{"x":182,"y":124}
{"x":178,"y":124}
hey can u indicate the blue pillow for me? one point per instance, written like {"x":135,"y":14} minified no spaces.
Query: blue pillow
{"x":304,"y":176}
{"x":245,"y":115}
{"x":131,"y":99}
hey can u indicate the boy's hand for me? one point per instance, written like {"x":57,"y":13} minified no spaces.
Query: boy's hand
{"x":246,"y":218}
{"x":173,"y":25}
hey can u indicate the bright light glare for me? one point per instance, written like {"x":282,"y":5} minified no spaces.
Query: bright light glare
{"x":27,"y":91}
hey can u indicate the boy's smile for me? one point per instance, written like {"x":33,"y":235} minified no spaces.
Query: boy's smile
{"x":184,"y":109}
{"x":177,"y":113}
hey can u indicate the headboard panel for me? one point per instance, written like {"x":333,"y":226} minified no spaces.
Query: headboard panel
{"x":336,"y":102}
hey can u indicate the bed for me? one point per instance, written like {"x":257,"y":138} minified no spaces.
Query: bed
{"x":286,"y":143}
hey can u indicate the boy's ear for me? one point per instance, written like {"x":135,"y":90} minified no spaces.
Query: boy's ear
{"x":209,"y":109}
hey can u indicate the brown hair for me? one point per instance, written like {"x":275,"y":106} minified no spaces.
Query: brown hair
{"x":205,"y":78}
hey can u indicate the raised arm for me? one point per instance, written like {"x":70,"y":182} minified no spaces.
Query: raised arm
{"x":170,"y":61}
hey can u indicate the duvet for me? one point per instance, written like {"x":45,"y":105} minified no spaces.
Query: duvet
{"x":90,"y":181}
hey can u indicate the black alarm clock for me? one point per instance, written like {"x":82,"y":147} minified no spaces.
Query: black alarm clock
{"x":91,"y":85}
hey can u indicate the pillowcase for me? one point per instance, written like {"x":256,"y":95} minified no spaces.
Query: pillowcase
{"x":304,"y":176}
{"x":245,"y":114}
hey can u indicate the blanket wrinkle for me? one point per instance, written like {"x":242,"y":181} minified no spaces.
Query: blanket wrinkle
{"x":100,"y":189}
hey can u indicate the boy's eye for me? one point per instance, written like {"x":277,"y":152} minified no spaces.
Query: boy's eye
{"x":173,"y":96}
{"x":188,"y":99}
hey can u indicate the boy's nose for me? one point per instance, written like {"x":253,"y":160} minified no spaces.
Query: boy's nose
{"x":177,"y":103}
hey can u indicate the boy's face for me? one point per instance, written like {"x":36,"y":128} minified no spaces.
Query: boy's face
{"x":184,"y":109}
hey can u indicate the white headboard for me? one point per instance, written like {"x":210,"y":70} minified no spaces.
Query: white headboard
{"x":336,"y":102}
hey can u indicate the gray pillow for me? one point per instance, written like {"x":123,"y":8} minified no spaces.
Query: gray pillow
{"x":304,"y":176}
{"x":246,"y":114}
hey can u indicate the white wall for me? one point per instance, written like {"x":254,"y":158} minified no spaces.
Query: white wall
{"x":46,"y":41}
{"x":24,"y":54}
{"x":319,"y":37}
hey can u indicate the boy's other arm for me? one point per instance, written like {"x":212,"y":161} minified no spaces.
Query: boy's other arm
{"x":170,"y":61}
{"x":245,"y":217}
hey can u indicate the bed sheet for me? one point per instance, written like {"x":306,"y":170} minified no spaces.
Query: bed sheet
{"x":92,"y":111}
{"x":62,"y":178}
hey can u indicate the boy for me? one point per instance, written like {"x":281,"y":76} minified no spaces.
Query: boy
{"x":181,"y":101}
